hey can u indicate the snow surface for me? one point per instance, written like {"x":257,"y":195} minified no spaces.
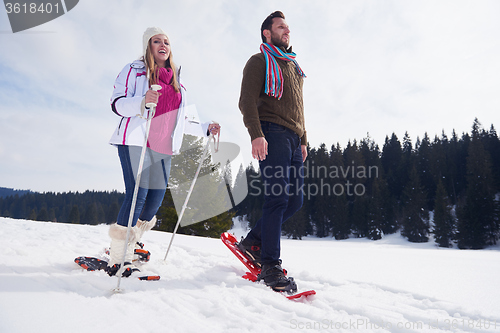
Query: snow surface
{"x":388,"y":285}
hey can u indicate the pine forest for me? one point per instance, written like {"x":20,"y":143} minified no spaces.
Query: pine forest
{"x":447,"y":187}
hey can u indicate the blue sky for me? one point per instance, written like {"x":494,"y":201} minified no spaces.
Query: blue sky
{"x":372,"y":66}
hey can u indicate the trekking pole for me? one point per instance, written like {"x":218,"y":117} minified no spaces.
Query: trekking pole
{"x":152,"y":108}
{"x":187,"y":197}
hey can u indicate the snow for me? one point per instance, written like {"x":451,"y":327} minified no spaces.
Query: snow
{"x":388,"y":285}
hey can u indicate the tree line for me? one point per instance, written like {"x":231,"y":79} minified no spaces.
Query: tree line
{"x":93,"y":207}
{"x":448,"y":187}
{"x":89,"y":207}
{"x":365,"y":191}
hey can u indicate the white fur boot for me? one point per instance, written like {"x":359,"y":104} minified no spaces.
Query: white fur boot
{"x":143,"y":226}
{"x":140,"y":228}
{"x":118,"y":234}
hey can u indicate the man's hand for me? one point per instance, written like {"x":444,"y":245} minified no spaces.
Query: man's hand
{"x":259,"y":148}
{"x":304,"y":152}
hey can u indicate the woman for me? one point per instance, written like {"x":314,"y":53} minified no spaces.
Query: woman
{"x":171,"y":120}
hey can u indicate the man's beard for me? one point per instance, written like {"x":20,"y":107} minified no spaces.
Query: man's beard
{"x":276,"y":41}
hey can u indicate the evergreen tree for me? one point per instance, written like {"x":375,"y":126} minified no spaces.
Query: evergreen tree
{"x":207,"y":199}
{"x":255,"y":199}
{"x":217,"y":201}
{"x":439,"y":162}
{"x":477,"y":217}
{"x":33,"y":215}
{"x":212,"y":227}
{"x":443,"y":218}
{"x":90,"y":216}
{"x":341,"y":224}
{"x":407,"y":160}
{"x":241,"y":181}
{"x":112,"y":212}
{"x":359,"y":216}
{"x":74,"y":215}
{"x":492,"y":145}
{"x":389,"y":221}
{"x":353,"y":162}
{"x":297,"y":225}
{"x":391,"y":162}
{"x":415,"y":216}
{"x":167,"y":215}
{"x":455,"y":182}
{"x":461,"y":162}
{"x":371,"y":156}
{"x":301,"y":223}
{"x":19,"y":208}
{"x":376,"y":213}
{"x":320,"y":194}
{"x":52,"y":214}
{"x":43,"y":215}
{"x":423,"y":163}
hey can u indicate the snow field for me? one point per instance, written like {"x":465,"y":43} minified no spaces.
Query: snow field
{"x":362,"y":286}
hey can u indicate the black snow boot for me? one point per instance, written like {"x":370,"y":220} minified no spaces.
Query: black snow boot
{"x":274,"y":277}
{"x":251,"y":250}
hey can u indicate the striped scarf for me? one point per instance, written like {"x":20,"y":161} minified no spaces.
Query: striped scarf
{"x":274,"y":76}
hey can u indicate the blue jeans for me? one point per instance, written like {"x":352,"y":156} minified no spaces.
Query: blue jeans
{"x":283,"y":179}
{"x":152,"y":187}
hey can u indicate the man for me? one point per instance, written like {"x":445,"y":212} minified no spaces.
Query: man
{"x":273,"y":112}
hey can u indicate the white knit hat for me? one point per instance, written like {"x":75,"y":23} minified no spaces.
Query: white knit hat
{"x":150,"y":32}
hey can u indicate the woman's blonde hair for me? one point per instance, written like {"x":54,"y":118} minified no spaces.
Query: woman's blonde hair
{"x":153,"y":70}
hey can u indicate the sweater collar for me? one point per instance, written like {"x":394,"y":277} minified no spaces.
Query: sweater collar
{"x":282,"y":48}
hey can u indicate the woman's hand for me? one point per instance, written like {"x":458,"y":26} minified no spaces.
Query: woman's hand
{"x":214,"y":128}
{"x":152,"y":96}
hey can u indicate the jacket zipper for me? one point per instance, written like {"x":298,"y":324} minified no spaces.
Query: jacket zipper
{"x":119,"y":126}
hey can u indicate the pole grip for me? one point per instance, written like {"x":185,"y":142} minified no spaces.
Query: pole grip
{"x":154,"y":87}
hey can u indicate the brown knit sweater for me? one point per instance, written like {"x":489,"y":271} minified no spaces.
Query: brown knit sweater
{"x":255,"y":105}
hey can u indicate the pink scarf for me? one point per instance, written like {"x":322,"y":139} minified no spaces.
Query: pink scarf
{"x":164,"y":121}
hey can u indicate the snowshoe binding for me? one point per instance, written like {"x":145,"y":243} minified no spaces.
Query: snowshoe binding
{"x":140,"y":253}
{"x":274,"y":277}
{"x":127,"y":271}
{"x":250,"y":250}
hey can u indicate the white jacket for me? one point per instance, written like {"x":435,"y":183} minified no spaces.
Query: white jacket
{"x":127,"y":101}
